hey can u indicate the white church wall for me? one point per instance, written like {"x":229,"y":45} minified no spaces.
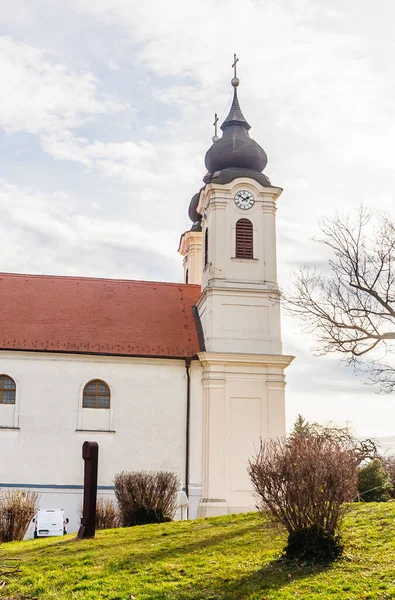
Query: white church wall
{"x":144,"y":429}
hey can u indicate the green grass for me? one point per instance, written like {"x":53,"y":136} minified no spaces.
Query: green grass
{"x":228,"y":558}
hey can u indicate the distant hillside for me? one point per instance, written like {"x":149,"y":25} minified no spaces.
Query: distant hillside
{"x":227,"y":558}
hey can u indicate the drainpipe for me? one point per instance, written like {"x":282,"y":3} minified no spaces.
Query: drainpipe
{"x":187,"y":425}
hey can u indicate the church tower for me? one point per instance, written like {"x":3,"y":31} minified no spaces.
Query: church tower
{"x":239,"y":309}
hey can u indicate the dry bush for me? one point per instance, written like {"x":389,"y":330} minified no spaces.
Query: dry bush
{"x":146,"y":497}
{"x":107,"y":514}
{"x":17,"y":508}
{"x":305,"y":482}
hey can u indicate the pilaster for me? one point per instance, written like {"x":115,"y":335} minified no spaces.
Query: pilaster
{"x":191,"y":249}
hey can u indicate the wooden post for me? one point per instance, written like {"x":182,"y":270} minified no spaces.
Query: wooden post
{"x":90,"y":454}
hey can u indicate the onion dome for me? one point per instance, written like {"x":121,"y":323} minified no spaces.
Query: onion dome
{"x":195,"y":217}
{"x":235,"y":149}
{"x":192,"y":213}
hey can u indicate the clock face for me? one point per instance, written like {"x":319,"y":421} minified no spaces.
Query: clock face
{"x":244,"y":199}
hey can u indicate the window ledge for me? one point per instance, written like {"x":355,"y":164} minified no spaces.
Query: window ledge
{"x":10,"y":428}
{"x":239,"y":259}
{"x":96,"y":430}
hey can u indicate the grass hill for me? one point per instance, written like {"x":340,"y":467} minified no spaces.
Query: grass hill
{"x":228,"y":558}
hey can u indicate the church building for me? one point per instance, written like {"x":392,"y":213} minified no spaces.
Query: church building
{"x":186,"y":377}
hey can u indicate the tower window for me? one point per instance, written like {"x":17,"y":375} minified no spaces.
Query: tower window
{"x":187,"y":276}
{"x":244,"y":239}
{"x":206,"y":248}
{"x":7,"y":390}
{"x":96,"y":395}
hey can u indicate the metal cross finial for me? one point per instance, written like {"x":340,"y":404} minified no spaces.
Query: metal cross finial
{"x":215,"y":124}
{"x":215,"y":138}
{"x":235,"y":80}
{"x":234,"y":66}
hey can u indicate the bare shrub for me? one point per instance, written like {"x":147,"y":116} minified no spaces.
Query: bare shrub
{"x":305,"y":482}
{"x":107,"y":514}
{"x":363,"y":449}
{"x":17,"y":508}
{"x":146,"y":497}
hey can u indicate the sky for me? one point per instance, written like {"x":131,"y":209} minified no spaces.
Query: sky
{"x":106,"y":112}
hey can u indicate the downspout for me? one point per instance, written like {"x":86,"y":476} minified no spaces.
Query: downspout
{"x":187,"y":425}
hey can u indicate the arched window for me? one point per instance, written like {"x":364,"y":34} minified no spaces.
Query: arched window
{"x":206,"y":248}
{"x":96,"y":395}
{"x":244,"y":239}
{"x":7,"y":390}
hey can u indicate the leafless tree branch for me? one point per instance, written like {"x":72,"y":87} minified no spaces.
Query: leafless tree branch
{"x":352,"y":310}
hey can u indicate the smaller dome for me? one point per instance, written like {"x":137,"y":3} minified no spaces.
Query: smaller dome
{"x":192,"y":213}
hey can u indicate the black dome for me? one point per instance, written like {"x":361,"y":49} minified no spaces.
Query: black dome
{"x":193,"y":215}
{"x":235,"y":148}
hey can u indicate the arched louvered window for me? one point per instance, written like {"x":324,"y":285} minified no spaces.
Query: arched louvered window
{"x":206,"y":248}
{"x":244,"y":239}
{"x":7,"y":390}
{"x":96,"y":395}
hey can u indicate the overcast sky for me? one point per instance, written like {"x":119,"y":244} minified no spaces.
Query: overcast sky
{"x":106,"y":112}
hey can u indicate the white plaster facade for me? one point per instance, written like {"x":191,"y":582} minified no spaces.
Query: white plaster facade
{"x":144,"y":428}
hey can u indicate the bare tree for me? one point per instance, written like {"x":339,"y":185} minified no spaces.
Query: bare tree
{"x":352,"y":309}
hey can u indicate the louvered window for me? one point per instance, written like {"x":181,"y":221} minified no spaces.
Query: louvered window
{"x":244,"y":239}
{"x":206,"y":248}
{"x":7,"y":390}
{"x":96,"y":395}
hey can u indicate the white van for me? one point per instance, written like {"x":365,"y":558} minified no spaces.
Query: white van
{"x":50,"y":522}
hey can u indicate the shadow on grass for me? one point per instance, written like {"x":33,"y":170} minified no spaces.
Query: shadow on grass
{"x":74,"y":548}
{"x":191,"y":577}
{"x":276,"y":574}
{"x":138,"y":560}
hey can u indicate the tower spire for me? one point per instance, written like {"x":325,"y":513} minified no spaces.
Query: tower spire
{"x":235,"y":116}
{"x":235,"y":149}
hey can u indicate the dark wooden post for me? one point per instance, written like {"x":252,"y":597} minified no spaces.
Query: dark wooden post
{"x":90,"y":454}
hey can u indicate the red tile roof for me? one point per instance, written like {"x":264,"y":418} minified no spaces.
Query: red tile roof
{"x":97,"y":316}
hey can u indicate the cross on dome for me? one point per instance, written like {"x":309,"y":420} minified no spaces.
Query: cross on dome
{"x":215,"y":137}
{"x":235,"y":81}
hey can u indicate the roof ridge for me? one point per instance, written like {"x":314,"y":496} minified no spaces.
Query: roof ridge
{"x":113,"y":280}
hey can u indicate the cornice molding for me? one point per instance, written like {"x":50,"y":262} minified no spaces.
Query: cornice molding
{"x":208,"y":359}
{"x":215,"y":192}
{"x":189,"y":240}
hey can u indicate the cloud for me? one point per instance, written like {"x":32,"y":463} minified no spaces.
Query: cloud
{"x":58,"y":239}
{"x":45,"y":97}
